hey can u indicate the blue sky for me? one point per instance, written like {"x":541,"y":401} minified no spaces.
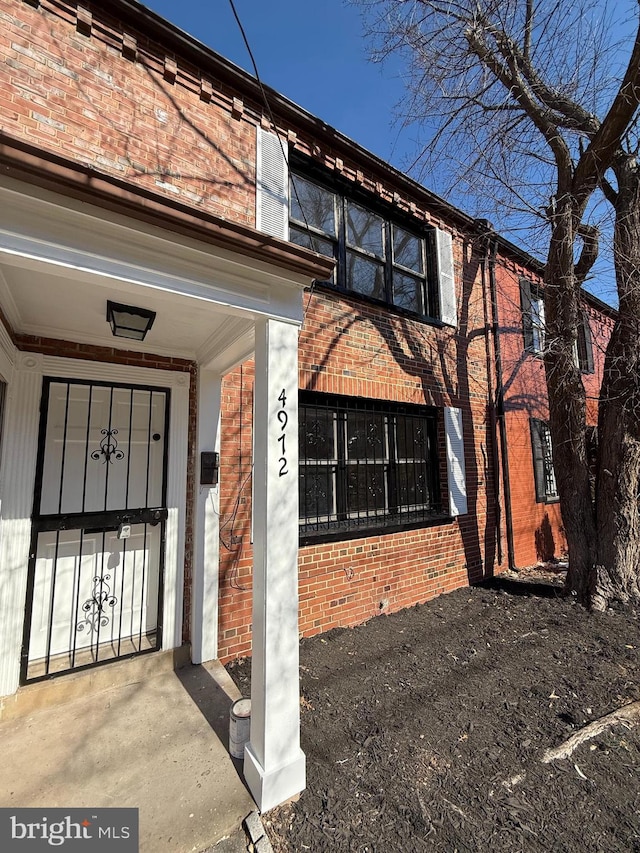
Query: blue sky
{"x":312,"y":52}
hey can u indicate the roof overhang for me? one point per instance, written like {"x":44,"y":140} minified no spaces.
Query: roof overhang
{"x":71,"y":239}
{"x":75,"y":180}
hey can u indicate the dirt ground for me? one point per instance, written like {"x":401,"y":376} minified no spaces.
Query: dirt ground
{"x":424,"y":730}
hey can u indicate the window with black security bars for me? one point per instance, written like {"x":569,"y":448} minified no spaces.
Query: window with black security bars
{"x":544,"y":473}
{"x":365,"y":465}
{"x":547,"y":454}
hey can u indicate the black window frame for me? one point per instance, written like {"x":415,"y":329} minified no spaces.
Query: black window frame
{"x":530,"y":293}
{"x":343,"y":515}
{"x":313,"y":237}
{"x":543,"y":469}
{"x":584,"y":345}
{"x":583,"y":350}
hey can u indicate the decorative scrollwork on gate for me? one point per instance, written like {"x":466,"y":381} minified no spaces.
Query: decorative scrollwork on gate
{"x":94,"y":607}
{"x":108,"y":449}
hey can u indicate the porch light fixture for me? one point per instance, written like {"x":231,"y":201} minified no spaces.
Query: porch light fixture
{"x":126,"y":321}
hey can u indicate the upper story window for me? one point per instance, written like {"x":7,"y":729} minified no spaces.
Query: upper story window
{"x":377,"y":257}
{"x":315,"y":228}
{"x":533,"y":327}
{"x":390,"y":259}
{"x":584,"y":345}
{"x":537,"y":322}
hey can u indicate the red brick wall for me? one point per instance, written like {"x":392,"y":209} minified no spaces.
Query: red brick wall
{"x":105,"y":95}
{"x":85,"y":96}
{"x":353,"y":348}
{"x":537,"y":527}
{"x":110,"y":97}
{"x":236,"y":437}
{"x":601,"y":328}
{"x":114,"y":355}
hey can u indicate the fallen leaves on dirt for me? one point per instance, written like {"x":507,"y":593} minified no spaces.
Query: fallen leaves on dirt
{"x":424,"y":730}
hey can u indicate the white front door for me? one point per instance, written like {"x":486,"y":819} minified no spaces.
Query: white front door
{"x":95,"y":579}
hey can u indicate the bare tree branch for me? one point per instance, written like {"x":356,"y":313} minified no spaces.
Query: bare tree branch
{"x":528,"y":100}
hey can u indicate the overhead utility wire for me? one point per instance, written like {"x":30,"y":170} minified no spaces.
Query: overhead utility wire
{"x":273,"y":122}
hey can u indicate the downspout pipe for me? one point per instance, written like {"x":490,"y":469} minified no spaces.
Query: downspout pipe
{"x":491,"y":408}
{"x":499,"y":401}
{"x":496,"y":407}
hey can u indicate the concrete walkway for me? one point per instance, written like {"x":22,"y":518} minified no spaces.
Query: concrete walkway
{"x":156,"y":743}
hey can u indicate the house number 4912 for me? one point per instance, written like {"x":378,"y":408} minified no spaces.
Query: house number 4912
{"x":283,"y":419}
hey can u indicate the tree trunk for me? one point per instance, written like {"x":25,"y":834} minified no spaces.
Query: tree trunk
{"x":567,"y":402}
{"x":618,"y":472}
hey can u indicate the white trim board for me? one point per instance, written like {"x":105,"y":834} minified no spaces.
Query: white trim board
{"x":38,"y":227}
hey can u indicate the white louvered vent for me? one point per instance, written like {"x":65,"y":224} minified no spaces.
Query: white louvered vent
{"x":272,"y":186}
{"x":455,"y":462}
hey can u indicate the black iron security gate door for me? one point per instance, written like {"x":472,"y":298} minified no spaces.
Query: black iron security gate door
{"x":98,"y":532}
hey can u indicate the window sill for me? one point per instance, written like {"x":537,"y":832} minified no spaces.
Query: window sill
{"x":337,"y":531}
{"x":379,"y":303}
{"x":537,"y":353}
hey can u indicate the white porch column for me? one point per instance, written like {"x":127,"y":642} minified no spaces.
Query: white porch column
{"x":274,"y":764}
{"x":204,"y":602}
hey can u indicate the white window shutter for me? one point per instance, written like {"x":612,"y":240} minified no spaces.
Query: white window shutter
{"x":446,"y":282}
{"x":455,"y":462}
{"x":272,"y":185}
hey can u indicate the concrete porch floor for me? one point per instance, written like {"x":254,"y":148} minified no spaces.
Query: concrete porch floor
{"x":120,"y":736}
